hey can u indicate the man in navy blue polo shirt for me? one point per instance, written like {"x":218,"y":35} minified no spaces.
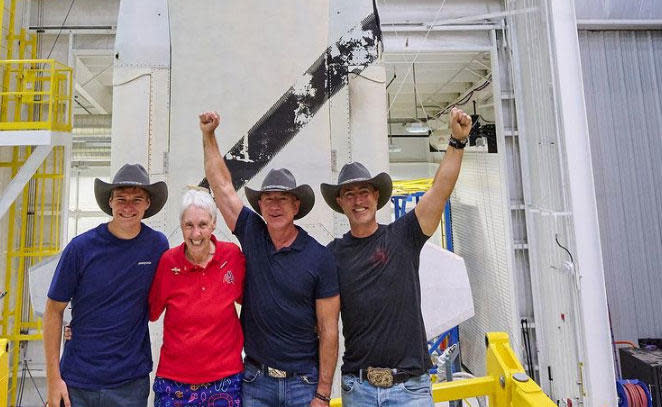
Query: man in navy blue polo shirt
{"x":291,"y":303}
{"x":105,"y":273}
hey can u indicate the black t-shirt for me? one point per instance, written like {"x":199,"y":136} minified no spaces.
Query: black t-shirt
{"x":380,"y":297}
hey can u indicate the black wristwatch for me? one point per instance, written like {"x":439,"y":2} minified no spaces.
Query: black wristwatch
{"x":322,"y":397}
{"x":455,"y":143}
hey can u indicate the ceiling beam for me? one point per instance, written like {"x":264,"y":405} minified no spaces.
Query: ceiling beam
{"x":91,"y":89}
{"x":93,"y":52}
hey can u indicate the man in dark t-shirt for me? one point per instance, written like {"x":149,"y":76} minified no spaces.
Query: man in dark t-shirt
{"x":291,"y":304}
{"x":386,"y":359}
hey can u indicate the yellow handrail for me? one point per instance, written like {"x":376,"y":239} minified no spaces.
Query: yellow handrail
{"x":506,"y":384}
{"x":4,"y":371}
{"x":37,"y":96}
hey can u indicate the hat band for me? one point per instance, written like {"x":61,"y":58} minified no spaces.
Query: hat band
{"x":355,"y":180}
{"x":128,"y":183}
{"x":278,"y":187}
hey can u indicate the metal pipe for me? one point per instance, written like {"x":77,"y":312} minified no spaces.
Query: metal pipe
{"x":425,"y":28}
{"x":599,"y":375}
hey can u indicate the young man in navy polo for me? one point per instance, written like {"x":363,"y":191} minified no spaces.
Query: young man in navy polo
{"x":291,"y":303}
{"x":105,"y":273}
{"x":386,"y":357}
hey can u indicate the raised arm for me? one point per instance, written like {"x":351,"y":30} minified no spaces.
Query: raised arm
{"x":217,"y":173}
{"x":431,"y":206}
{"x":56,"y":387}
{"x":327,"y":310}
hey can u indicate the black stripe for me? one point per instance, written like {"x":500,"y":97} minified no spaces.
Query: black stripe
{"x":323,"y":79}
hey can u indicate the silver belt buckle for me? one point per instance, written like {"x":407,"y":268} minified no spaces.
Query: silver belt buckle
{"x":276,"y":373}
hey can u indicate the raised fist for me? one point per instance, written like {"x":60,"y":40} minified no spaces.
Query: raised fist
{"x":209,"y":122}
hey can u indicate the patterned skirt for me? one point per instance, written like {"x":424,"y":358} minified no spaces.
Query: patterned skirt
{"x":225,"y":392}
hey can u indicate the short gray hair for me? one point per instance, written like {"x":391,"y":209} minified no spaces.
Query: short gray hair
{"x":199,"y":199}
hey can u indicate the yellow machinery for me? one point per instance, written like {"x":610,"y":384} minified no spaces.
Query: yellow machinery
{"x":506,"y":384}
{"x":35,"y":126}
{"x":4,"y":371}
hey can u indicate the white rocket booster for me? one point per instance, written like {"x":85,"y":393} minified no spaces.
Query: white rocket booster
{"x":141,"y":82}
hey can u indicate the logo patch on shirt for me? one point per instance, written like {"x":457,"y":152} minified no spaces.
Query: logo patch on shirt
{"x":142,"y":263}
{"x":175,"y":270}
{"x":228,"y":278}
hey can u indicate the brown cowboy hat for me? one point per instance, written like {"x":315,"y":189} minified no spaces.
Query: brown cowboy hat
{"x":281,"y":179}
{"x":132,"y":175}
{"x":356,"y":172}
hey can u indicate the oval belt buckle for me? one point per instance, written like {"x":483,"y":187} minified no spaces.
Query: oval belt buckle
{"x":380,"y":377}
{"x":276,"y":373}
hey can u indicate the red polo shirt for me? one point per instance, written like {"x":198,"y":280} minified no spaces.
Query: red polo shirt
{"x":202,"y":337}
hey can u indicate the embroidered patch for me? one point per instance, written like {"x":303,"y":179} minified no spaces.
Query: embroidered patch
{"x":229,"y":277}
{"x":175,"y":270}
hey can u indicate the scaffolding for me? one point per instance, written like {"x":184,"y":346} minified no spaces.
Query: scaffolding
{"x":35,"y":139}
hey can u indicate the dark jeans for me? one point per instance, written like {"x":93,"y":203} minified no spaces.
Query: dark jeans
{"x":260,"y":390}
{"x":131,"y":394}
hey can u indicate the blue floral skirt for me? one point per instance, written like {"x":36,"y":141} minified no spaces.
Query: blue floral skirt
{"x":225,"y":392}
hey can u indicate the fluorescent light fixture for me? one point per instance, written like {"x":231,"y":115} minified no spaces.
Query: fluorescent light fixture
{"x":417,"y":128}
{"x":392,"y":148}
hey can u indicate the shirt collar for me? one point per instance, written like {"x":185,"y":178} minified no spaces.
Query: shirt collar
{"x":182,"y":259}
{"x":298,"y":244}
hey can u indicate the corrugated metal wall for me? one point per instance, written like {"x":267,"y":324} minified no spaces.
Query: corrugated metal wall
{"x":623,"y":87}
{"x":618,"y":9}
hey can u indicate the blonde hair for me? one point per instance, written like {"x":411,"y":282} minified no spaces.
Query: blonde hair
{"x":199,"y":198}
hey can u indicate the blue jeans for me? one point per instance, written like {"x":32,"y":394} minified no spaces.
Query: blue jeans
{"x":415,"y":392}
{"x":130,"y":394}
{"x":260,"y":390}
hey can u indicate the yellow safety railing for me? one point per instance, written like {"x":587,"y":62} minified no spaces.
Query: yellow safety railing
{"x":33,"y":233}
{"x":4,"y":371}
{"x":506,"y":383}
{"x":37,"y":95}
{"x":404,"y":187}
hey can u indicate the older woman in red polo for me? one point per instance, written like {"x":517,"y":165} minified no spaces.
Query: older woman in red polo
{"x":197,"y":285}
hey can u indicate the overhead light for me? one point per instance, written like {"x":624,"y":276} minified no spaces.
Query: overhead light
{"x":393,"y":148}
{"x":417,"y":128}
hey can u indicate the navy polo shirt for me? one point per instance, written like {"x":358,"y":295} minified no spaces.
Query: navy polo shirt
{"x":107,"y":281}
{"x":281,"y":287}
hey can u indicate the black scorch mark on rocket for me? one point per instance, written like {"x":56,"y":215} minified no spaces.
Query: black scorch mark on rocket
{"x":297,"y":106}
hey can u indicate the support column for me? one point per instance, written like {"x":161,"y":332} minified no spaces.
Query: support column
{"x":599,"y":375}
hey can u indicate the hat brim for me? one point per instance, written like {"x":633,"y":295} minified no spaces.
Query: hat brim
{"x":303,"y":192}
{"x":382,"y":182}
{"x":158,"y":195}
